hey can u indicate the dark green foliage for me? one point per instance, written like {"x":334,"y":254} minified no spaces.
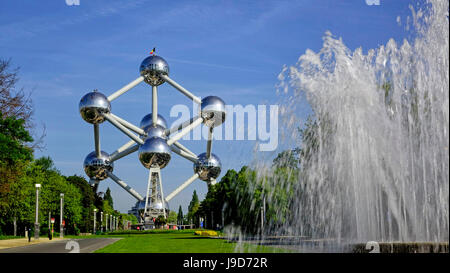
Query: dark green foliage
{"x":160,"y":221}
{"x":180,"y":216}
{"x":87,"y":202}
{"x":13,"y":137}
{"x":108,"y":198}
{"x":192,"y":210}
{"x":289,"y":159}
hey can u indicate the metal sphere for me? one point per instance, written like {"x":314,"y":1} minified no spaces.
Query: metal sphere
{"x":158,"y":205}
{"x":96,"y":167}
{"x":92,"y":105}
{"x":154,"y":153}
{"x":148,"y":120}
{"x":155,"y":131}
{"x":213,"y":111}
{"x":207,"y":169}
{"x":152,"y":67}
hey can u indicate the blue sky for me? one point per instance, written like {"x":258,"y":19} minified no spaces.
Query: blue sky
{"x":232,"y":49}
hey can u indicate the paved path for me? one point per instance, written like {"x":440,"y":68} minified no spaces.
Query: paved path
{"x":24,"y":242}
{"x":59,"y":246}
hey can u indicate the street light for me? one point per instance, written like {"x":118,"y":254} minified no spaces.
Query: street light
{"x":61,"y":217}
{"x":106,"y":224}
{"x":95,"y":216}
{"x":101,"y":221}
{"x":36,"y":223}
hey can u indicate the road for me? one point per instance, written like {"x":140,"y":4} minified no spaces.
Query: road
{"x":64,"y":246}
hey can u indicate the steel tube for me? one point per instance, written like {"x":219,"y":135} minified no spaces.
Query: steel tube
{"x":181,"y":147}
{"x":130,"y":190}
{"x":126,"y":152}
{"x":209,"y":143}
{"x":185,"y":131}
{"x":182,"y":187}
{"x":128,"y":125}
{"x":154,"y":104}
{"x":126,"y":88}
{"x":182,"y":89}
{"x":179,"y":127}
{"x":122,"y":128}
{"x":123,"y":148}
{"x":97,"y":140}
{"x":183,"y":154}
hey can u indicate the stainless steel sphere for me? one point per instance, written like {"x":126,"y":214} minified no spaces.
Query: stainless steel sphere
{"x":213,"y":111}
{"x":152,"y":67}
{"x":158,"y":205}
{"x":148,"y":120}
{"x":92,"y":105}
{"x":207,"y":169}
{"x":154,"y":153}
{"x":96,"y":167}
{"x":140,"y":205}
{"x":155,"y":131}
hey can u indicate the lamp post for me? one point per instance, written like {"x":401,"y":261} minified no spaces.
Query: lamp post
{"x":95,"y":218}
{"x":106,"y":224}
{"x":61,"y":217}
{"x":36,"y":222}
{"x":110,"y":222}
{"x":101,"y":221}
{"x":52,"y":221}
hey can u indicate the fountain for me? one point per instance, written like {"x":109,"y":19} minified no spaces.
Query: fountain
{"x":374,"y":164}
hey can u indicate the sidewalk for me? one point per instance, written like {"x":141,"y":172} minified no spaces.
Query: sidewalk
{"x":24,"y":242}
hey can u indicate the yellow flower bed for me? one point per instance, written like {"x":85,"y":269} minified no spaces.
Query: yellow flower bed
{"x":206,"y":233}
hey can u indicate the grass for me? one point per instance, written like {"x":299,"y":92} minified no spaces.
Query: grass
{"x":7,"y":237}
{"x":183,"y":241}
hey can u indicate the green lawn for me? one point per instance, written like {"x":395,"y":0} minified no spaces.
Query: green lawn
{"x":176,"y":242}
{"x":7,"y":237}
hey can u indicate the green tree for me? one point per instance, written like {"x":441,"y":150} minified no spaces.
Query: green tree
{"x":14,"y":157}
{"x":52,"y":185}
{"x":160,"y":221}
{"x":108,"y":198}
{"x":88,"y":202}
{"x":13,"y":137}
{"x":172,"y":217}
{"x":192,"y":209}
{"x":180,"y":216}
{"x":288,"y":158}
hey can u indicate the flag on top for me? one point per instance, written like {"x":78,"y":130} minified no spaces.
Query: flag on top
{"x":153,"y":51}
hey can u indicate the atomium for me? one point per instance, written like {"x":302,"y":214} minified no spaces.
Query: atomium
{"x":207,"y":168}
{"x":152,"y":68}
{"x":154,"y":153}
{"x":93,"y":105}
{"x":155,"y":131}
{"x":147,"y":121}
{"x":96,"y":167}
{"x":213,"y":111}
{"x":153,"y":141}
{"x":159,"y":205}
